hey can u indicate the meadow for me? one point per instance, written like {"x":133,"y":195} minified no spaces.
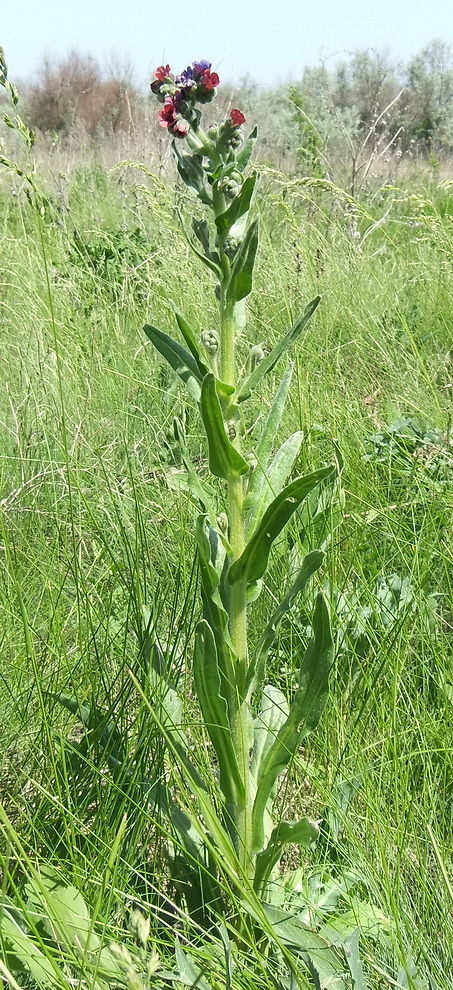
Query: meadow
{"x":97,"y":533}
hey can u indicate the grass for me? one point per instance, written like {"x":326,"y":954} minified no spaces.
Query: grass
{"x":94,"y":527}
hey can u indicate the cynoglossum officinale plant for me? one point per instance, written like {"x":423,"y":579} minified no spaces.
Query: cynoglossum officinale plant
{"x":254,"y":730}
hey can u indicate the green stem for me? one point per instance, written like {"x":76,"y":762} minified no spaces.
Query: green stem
{"x":240,"y":715}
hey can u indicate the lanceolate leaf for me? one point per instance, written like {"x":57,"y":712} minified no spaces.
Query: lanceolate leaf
{"x":201,"y":231}
{"x":224,"y":460}
{"x":191,"y":171}
{"x":190,"y":338}
{"x":283,"y":345}
{"x":242,"y":269}
{"x":239,"y":206}
{"x":274,"y":479}
{"x":312,"y":562}
{"x":182,"y":361}
{"x":213,"y":608}
{"x":266,"y":440}
{"x":215,"y":710}
{"x":245,"y":154}
{"x":253,"y":561}
{"x":306,"y":709}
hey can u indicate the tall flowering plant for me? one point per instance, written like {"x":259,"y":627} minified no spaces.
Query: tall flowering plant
{"x":254,"y":730}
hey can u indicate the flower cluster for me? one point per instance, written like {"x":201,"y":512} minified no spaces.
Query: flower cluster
{"x":180,"y":94}
{"x":196,"y":84}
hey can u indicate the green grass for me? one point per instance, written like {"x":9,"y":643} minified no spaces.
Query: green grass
{"x":93,"y":527}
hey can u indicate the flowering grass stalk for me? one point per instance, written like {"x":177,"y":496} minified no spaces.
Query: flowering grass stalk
{"x":251,"y":753}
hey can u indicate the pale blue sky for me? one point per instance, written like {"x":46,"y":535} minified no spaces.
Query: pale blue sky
{"x":272,"y":39}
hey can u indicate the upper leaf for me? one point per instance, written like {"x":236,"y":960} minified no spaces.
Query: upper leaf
{"x":239,"y":206}
{"x":276,"y":353}
{"x":182,"y":361}
{"x":253,"y":561}
{"x":224,"y":460}
{"x":240,"y":284}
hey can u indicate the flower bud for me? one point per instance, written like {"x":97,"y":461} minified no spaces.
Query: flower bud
{"x":222,"y":522}
{"x":210,"y":341}
{"x":231,"y":245}
{"x":251,"y":460}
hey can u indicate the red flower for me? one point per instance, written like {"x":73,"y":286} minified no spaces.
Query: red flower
{"x":162,"y":72}
{"x":209,"y":79}
{"x":179,"y":128}
{"x":237,"y":117}
{"x":167,"y":115}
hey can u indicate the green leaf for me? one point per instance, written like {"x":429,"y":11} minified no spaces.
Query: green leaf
{"x":239,"y":206}
{"x":245,"y":153}
{"x":274,"y":479}
{"x":266,"y":440}
{"x":212,"y":265}
{"x":283,"y":345}
{"x":253,"y":561}
{"x":214,"y":709}
{"x":240,"y":284}
{"x":190,"y":338}
{"x":302,"y":833}
{"x":63,"y":910}
{"x":324,"y":962}
{"x":190,"y":168}
{"x":213,"y":607}
{"x":202,"y":493}
{"x":305,"y":712}
{"x":25,"y":950}
{"x":182,"y":361}
{"x":224,"y":460}
{"x":311,"y":564}
{"x":201,"y":231}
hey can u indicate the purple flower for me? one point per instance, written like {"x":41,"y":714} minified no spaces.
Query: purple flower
{"x":200,"y":67}
{"x":185,"y":78}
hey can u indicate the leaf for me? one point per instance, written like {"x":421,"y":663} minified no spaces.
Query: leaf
{"x":213,"y":607}
{"x":191,"y":340}
{"x":274,"y":479}
{"x":212,"y":265}
{"x":303,"y":832}
{"x":283,"y":345}
{"x":240,"y":284}
{"x":215,"y":711}
{"x":245,"y":153}
{"x":323,"y":961}
{"x":182,"y":362}
{"x":27,"y":952}
{"x":305,"y":712}
{"x":253,"y":561}
{"x":224,"y":460}
{"x":191,"y":171}
{"x":266,"y":440}
{"x":239,"y":206}
{"x":311,"y":564}
{"x":272,"y":715}
{"x":63,"y":910}
{"x":103,"y":730}
{"x":200,"y":490}
{"x":201,"y":231}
